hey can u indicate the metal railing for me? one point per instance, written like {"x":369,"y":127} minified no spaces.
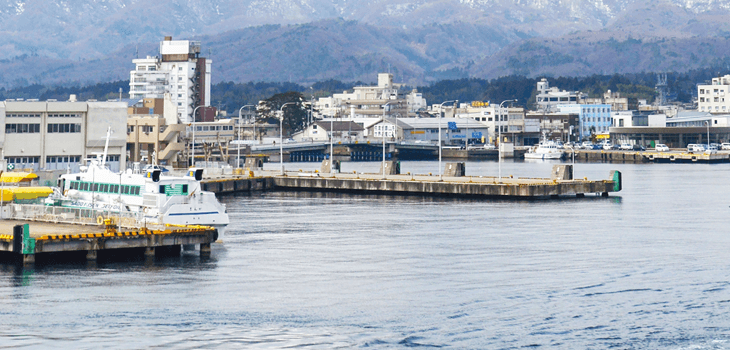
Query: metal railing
{"x":78,"y":216}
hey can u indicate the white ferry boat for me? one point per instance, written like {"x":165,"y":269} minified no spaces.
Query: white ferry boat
{"x":148,"y":194}
{"x":545,"y":150}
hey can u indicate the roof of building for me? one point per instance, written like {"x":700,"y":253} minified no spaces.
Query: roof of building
{"x":433,"y":123}
{"x":339,"y":125}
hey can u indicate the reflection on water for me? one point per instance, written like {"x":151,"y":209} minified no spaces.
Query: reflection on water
{"x":644,"y":269}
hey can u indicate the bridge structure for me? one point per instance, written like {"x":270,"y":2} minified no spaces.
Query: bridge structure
{"x":357,"y":151}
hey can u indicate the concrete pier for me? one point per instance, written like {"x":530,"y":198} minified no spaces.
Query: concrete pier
{"x":646,"y":156}
{"x":32,"y":238}
{"x":452,"y":184}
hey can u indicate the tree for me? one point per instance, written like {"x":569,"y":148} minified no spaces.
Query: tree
{"x":295,"y":115}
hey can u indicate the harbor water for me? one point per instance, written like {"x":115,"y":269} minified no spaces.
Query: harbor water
{"x":646,"y":268}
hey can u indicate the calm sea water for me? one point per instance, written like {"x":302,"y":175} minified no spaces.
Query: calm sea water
{"x":646,"y":268}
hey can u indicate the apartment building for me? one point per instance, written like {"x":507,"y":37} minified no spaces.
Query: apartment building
{"x":549,"y":98}
{"x":369,"y":101}
{"x":592,"y":118}
{"x":714,"y":98}
{"x":179,"y":71}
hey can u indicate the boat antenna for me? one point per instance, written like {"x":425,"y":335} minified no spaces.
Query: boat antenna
{"x":106,"y":145}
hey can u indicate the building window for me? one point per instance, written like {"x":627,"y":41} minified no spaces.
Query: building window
{"x":22,"y":128}
{"x":23,"y":160}
{"x":64,"y":128}
{"x":62,"y":159}
{"x":64,"y":115}
{"x":23,"y":115}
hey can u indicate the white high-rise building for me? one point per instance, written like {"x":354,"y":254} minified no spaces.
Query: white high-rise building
{"x":179,"y":71}
{"x":714,"y":98}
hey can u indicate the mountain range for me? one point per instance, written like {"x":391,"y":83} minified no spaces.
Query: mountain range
{"x":419,"y":41}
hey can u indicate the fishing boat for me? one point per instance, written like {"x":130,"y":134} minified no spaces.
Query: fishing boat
{"x":177,"y":200}
{"x":545,"y":150}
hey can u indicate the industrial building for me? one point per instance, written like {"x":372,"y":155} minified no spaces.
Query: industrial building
{"x":50,"y":135}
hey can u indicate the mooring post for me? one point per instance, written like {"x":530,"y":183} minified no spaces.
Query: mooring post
{"x":23,"y":243}
{"x":28,"y":259}
{"x":91,"y":255}
{"x":205,"y":249}
{"x":149,"y":252}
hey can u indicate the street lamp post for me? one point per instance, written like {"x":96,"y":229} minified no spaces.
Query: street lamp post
{"x":440,"y":111}
{"x":332,"y":137}
{"x":383,"y":131}
{"x":499,"y":139}
{"x":281,"y":135}
{"x":192,"y":161}
{"x":238,"y":157}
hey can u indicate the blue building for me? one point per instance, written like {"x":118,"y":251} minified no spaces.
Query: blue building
{"x":596,"y":117}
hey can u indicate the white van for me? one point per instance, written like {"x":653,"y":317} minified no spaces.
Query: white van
{"x":694,"y":147}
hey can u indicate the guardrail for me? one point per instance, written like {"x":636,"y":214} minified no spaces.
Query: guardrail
{"x":78,"y":216}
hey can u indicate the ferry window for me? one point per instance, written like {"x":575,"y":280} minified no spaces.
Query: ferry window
{"x":125,"y":189}
{"x":115,"y":188}
{"x":136,"y":190}
{"x":105,"y":188}
{"x":162,"y":188}
{"x":185,"y":189}
{"x":95,"y":187}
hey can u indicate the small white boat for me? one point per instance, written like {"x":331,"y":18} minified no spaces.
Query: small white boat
{"x":545,"y":150}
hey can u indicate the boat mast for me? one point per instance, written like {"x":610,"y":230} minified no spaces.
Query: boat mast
{"x":106,"y":145}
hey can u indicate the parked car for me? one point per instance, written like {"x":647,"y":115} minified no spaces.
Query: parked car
{"x":711,"y":149}
{"x":607,"y":146}
{"x":626,"y":147}
{"x":638,"y":147}
{"x":725,"y":146}
{"x":695,"y":148}
{"x":660,"y":147}
{"x":616,"y":147}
